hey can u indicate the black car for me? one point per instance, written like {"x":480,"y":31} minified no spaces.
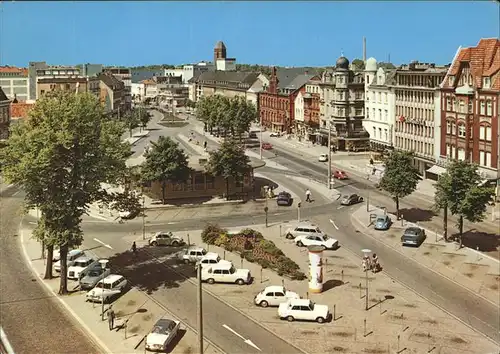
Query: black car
{"x":284,"y":199}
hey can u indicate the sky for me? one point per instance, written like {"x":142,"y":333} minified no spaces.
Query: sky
{"x":307,"y":33}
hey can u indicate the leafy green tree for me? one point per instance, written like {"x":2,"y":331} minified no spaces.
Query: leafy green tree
{"x":61,"y":156}
{"x":131,"y":121}
{"x":400,"y":177}
{"x":165,"y":162}
{"x":358,"y":64}
{"x":229,"y":161}
{"x":460,"y":191}
{"x":143,"y":117}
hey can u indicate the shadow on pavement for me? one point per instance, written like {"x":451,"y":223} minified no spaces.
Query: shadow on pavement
{"x":417,"y":214}
{"x":181,"y":333}
{"x":331,"y":284}
{"x":482,"y":241}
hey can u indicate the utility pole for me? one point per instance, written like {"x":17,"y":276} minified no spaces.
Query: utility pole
{"x":329,"y":185}
{"x":143,"y":217}
{"x":260,"y":136}
{"x":200,"y":310}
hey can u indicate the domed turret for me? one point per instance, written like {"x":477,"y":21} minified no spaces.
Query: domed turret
{"x":371,"y":64}
{"x":342,"y":63}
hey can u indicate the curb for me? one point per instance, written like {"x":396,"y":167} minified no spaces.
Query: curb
{"x":360,"y":223}
{"x":89,"y":332}
{"x":192,"y":206}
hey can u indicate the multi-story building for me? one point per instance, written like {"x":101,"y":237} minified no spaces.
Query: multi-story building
{"x":137,"y":91}
{"x":257,"y":87}
{"x":177,"y":72}
{"x":277,"y":102}
{"x":14,"y":82}
{"x":125,"y":76}
{"x":343,"y":90}
{"x":306,"y":117}
{"x":32,"y":77}
{"x":416,"y":93}
{"x":150,"y":88}
{"x":69,"y":84}
{"x":194,"y":70}
{"x":379,"y":105}
{"x":141,"y":74}
{"x":90,"y":70}
{"x":4,"y":115}
{"x":171,"y":89}
{"x":470,"y":101}
{"x":111,"y":92}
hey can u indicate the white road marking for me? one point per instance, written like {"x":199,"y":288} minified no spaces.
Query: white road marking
{"x":10,"y":185}
{"x":16,"y":193}
{"x":33,"y":223}
{"x":340,"y":207}
{"x":247,"y":341}
{"x":334,"y":225}
{"x":172,"y":222}
{"x":277,"y":214}
{"x":102,"y":243}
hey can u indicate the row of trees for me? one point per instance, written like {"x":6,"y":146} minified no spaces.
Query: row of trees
{"x":61,"y":155}
{"x":230,"y":115}
{"x":458,"y":190}
{"x":137,"y":117}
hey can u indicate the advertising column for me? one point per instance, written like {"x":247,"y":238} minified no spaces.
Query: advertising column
{"x":315,"y":269}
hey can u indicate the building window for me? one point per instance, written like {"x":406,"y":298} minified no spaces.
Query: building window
{"x":451,"y":80}
{"x":462,"y":106}
{"x":482,"y":132}
{"x":453,"y":105}
{"x":489,"y":108}
{"x":461,"y":130}
{"x":374,"y":132}
{"x":448,"y":104}
{"x":385,"y":97}
{"x":453,"y":128}
{"x":386,"y":115}
{"x":373,"y":114}
{"x":461,"y":154}
{"x":380,"y":133}
{"x":482,"y":108}
{"x":367,"y":113}
{"x":488,"y":133}
{"x":486,"y":82}
{"x":470,"y":106}
{"x":482,"y":159}
{"x":380,"y":115}
{"x":386,"y":134}
{"x":448,"y":128}
{"x":488,"y":159}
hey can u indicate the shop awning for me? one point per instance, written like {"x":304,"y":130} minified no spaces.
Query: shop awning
{"x":437,"y":170}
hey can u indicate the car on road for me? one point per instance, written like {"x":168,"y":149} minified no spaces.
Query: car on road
{"x":351,"y":199}
{"x":266,"y":146}
{"x":383,"y":222}
{"x":192,"y":254}
{"x":284,"y":199}
{"x":275,"y":135}
{"x":323,"y":158}
{"x":274,"y":296}
{"x":303,"y":229}
{"x":162,"y":334}
{"x":317,"y":240}
{"x":252,"y":135}
{"x":340,"y":175}
{"x":303,"y":309}
{"x":225,"y":273}
{"x":80,"y":265}
{"x":92,"y":275}
{"x":165,"y":239}
{"x":413,"y":236}
{"x":107,"y":289}
{"x":210,"y":259}
{"x":73,"y":255}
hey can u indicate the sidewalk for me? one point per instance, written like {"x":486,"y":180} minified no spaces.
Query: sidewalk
{"x":136,"y":312}
{"x":471,"y":269}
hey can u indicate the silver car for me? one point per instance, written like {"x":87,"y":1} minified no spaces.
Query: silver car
{"x":91,"y":277}
{"x":192,"y":254}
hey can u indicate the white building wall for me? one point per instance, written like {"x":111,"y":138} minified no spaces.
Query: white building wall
{"x":173,"y":72}
{"x":15,"y":87}
{"x":137,"y":89}
{"x":437,"y":125}
{"x":299,"y":108}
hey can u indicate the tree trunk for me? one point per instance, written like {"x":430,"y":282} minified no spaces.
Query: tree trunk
{"x":460,"y":230}
{"x":396,"y":199}
{"x":163,"y":192}
{"x":227,"y":188}
{"x":63,"y":284}
{"x":130,"y":132}
{"x":48,"y":263}
{"x":445,"y":223}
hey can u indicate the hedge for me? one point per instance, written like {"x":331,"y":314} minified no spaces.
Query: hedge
{"x":254,"y":248}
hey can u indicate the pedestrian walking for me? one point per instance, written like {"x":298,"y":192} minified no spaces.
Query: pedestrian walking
{"x":134,"y":248}
{"x":111,"y":318}
{"x":308,"y":196}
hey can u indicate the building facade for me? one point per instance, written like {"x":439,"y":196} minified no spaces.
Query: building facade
{"x":194,"y":70}
{"x":68,"y":84}
{"x":312,"y":110}
{"x":15,"y":82}
{"x":111,"y":92}
{"x":33,"y":67}
{"x":379,"y":106}
{"x":343,"y":90}
{"x":4,"y":115}
{"x":125,"y":76}
{"x":225,"y":83}
{"x":415,"y":90}
{"x":470,"y":96}
{"x":150,"y":88}
{"x":90,"y":70}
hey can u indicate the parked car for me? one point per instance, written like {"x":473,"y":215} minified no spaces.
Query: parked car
{"x":340,"y":175}
{"x":274,"y":296}
{"x":252,"y":135}
{"x":162,"y":334}
{"x":165,"y":239}
{"x":79,"y":266}
{"x":351,"y":199}
{"x":303,"y":309}
{"x":275,"y":135}
{"x":317,"y":240}
{"x":323,"y":158}
{"x":266,"y":146}
{"x":301,"y":229}
{"x":210,"y":259}
{"x":284,"y":199}
{"x":225,"y":273}
{"x":73,"y":255}
{"x":92,"y":275}
{"x":107,"y":289}
{"x":193,"y":254}
{"x":383,"y":222}
{"x":413,"y":236}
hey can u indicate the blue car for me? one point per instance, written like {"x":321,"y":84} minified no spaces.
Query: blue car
{"x":383,"y":222}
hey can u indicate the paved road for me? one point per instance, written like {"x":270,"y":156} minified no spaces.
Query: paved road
{"x":33,"y":321}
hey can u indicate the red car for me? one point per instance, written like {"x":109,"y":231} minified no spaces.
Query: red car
{"x":266,"y":146}
{"x":340,"y":175}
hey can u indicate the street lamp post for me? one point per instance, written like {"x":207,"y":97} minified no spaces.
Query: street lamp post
{"x":143,"y":217}
{"x":200,"y":310}
{"x":103,"y":263}
{"x":329,"y":184}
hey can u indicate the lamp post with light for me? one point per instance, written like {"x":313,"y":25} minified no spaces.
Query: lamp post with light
{"x":103,"y":263}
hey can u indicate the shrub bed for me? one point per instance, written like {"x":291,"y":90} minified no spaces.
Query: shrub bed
{"x":254,"y":248}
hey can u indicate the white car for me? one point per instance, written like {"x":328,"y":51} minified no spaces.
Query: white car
{"x":79,"y":266}
{"x":162,"y":334}
{"x":317,"y":240}
{"x":210,"y":259}
{"x":73,"y":255}
{"x":303,"y":309}
{"x":225,"y":273}
{"x":323,"y":158}
{"x":303,"y":229}
{"x":192,"y":255}
{"x":274,"y":135}
{"x":107,"y":289}
{"x":274,"y":296}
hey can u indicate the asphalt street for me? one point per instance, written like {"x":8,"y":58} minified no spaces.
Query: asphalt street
{"x":32,"y":318}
